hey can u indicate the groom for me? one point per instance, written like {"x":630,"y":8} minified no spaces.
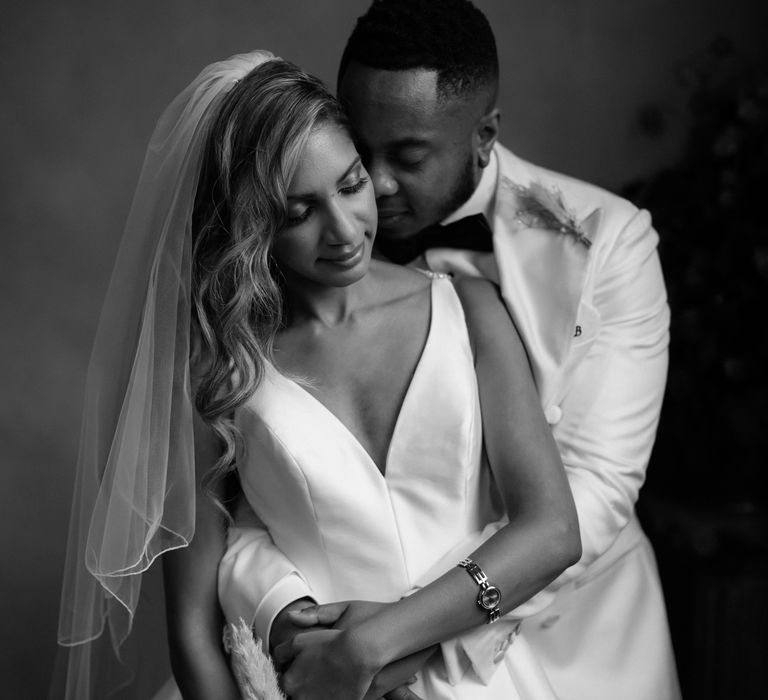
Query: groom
{"x":579,"y":271}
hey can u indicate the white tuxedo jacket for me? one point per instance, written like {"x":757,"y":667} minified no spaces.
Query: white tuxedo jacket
{"x":594,"y":319}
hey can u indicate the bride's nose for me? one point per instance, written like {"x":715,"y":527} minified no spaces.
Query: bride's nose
{"x":341,"y":227}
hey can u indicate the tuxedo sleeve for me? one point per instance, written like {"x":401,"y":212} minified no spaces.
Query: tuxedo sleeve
{"x":256,"y":580}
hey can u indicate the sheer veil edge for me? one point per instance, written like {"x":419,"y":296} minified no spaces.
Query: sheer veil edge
{"x":134,"y":492}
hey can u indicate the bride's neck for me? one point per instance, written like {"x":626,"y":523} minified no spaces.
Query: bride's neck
{"x":329,"y":306}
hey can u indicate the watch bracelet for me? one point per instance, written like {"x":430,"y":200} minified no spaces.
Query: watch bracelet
{"x":481,"y":579}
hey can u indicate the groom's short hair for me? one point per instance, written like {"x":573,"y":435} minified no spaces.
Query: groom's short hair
{"x":451,"y":37}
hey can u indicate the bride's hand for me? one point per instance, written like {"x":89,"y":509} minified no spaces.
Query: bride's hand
{"x":326,"y":664}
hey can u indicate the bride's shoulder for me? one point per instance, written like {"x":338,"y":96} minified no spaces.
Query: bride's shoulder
{"x":400,"y":278}
{"x":399,"y":289}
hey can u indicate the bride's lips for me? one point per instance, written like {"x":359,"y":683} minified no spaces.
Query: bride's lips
{"x":349,"y":259}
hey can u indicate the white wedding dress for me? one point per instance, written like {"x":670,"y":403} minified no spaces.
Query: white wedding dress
{"x":351,"y":532}
{"x":346,"y":531}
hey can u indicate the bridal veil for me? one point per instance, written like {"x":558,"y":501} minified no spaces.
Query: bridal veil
{"x":135,"y":487}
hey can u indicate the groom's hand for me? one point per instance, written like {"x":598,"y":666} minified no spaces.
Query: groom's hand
{"x":283,"y":628}
{"x":392,"y":681}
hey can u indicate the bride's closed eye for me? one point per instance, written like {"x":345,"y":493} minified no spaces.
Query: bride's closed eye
{"x":296,"y":217}
{"x":356,"y":187}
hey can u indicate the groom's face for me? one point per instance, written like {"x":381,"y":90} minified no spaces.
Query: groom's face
{"x":418,"y":146}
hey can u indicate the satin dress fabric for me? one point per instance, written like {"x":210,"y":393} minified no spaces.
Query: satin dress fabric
{"x":352,"y":532}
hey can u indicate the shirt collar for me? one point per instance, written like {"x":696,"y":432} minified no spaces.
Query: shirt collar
{"x":482,"y":199}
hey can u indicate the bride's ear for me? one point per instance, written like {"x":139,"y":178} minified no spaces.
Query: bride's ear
{"x":486,"y":134}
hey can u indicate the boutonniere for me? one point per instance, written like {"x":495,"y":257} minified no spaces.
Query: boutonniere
{"x":540,"y":207}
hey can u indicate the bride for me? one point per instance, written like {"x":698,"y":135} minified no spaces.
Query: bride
{"x":258,"y":335}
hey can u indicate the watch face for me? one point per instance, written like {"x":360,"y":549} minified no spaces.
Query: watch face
{"x":489,"y":598}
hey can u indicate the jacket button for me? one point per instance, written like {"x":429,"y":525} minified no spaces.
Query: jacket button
{"x":553,"y":414}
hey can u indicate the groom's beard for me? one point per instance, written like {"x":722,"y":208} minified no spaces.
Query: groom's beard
{"x":461,"y":191}
{"x":423,"y":203}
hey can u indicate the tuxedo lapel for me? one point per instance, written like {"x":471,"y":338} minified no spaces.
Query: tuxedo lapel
{"x":542,"y":274}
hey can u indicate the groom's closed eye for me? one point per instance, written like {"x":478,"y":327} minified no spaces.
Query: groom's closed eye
{"x":411,"y":157}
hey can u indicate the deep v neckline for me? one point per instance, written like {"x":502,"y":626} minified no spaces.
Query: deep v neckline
{"x":403,"y":404}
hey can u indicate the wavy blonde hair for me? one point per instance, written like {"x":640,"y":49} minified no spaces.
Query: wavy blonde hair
{"x":252,"y":151}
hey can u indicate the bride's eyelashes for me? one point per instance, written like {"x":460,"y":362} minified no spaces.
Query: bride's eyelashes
{"x":300,"y":217}
{"x":357,"y":187}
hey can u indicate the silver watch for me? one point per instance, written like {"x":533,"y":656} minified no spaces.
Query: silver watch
{"x":489,"y":596}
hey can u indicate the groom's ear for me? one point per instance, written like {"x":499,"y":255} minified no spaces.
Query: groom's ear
{"x":486,"y":133}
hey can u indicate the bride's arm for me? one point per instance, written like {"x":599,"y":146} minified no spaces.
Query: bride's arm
{"x":540,"y":541}
{"x":194,"y":617}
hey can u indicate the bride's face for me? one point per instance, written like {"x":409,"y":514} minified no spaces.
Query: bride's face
{"x":331,"y":214}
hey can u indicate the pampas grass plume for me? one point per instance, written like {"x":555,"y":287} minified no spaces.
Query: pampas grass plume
{"x":252,"y":668}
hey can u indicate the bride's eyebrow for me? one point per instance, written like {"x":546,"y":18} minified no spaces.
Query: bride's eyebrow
{"x":311,"y":195}
{"x":355,"y":163}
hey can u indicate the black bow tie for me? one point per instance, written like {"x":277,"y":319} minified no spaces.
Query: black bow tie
{"x":469,"y":233}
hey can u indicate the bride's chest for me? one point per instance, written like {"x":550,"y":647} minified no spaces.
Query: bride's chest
{"x":361,"y":380}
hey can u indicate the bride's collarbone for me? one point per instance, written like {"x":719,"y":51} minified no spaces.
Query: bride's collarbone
{"x":386,"y":340}
{"x":349,"y":367}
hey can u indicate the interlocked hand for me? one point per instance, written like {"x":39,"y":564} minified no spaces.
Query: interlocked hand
{"x":324,"y":664}
{"x":391,"y":682}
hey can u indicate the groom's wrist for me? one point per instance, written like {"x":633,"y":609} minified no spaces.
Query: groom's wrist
{"x":282,"y":628}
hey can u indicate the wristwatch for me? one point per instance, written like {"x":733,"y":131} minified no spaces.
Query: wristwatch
{"x":489,"y":597}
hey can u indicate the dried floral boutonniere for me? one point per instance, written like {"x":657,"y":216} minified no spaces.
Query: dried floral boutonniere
{"x":544,"y":208}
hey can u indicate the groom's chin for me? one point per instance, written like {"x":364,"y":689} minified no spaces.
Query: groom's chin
{"x":397,"y":227}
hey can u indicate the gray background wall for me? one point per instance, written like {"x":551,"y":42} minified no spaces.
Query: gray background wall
{"x":82,"y":85}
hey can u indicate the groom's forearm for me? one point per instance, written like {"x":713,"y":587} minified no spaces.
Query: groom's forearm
{"x":255,"y":579}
